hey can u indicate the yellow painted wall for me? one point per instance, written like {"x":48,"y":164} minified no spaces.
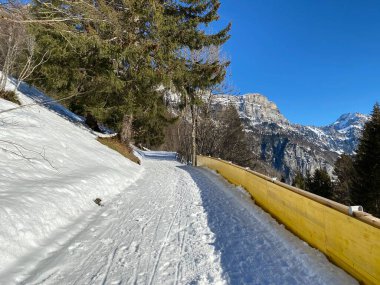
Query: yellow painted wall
{"x":353,"y":243}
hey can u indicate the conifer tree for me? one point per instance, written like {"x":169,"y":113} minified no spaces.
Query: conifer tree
{"x":321,"y":184}
{"x":299,"y":181}
{"x":308,"y":181}
{"x":111,"y":56}
{"x":344,"y":171}
{"x":366,"y":183}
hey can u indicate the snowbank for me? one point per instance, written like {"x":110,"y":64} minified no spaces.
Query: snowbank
{"x":51,"y":170}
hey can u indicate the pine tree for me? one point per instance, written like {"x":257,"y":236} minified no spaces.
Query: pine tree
{"x":366,"y":183}
{"x":344,"y":171}
{"x":308,"y":181}
{"x":83,"y":60}
{"x":299,"y":181}
{"x":321,"y":184}
{"x":112,"y":56}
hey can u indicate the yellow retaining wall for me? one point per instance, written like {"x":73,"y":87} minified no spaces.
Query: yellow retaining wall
{"x":352,"y":243}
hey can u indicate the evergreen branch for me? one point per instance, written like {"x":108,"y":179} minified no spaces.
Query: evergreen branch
{"x":38,"y":103}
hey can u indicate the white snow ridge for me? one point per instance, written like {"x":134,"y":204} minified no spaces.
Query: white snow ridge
{"x":161,"y":223}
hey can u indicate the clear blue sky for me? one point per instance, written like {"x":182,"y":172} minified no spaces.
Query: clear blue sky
{"x":316,"y":59}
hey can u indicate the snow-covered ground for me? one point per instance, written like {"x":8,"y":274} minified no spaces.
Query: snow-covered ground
{"x":161,"y":223}
{"x":179,"y":225}
{"x":50,"y":172}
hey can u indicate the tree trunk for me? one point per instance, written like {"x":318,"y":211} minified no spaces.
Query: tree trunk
{"x":194,"y":135}
{"x":126,"y":129}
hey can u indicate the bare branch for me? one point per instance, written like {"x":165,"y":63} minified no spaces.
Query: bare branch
{"x":20,"y":152}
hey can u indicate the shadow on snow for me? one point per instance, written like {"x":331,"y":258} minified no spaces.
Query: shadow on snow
{"x":42,"y":99}
{"x":251,"y":252}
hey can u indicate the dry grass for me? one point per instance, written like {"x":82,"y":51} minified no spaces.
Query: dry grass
{"x":10,"y":96}
{"x":115,"y":144}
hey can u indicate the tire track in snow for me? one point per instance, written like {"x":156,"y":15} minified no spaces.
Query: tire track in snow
{"x":182,"y":245}
{"x":164,"y":243}
{"x":109,"y":264}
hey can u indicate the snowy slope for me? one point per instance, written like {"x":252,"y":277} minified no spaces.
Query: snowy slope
{"x":51,"y":170}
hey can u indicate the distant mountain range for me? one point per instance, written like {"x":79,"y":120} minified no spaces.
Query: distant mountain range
{"x":290,"y":147}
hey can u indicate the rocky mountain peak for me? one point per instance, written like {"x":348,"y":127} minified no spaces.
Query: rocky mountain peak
{"x":253,"y":108}
{"x":350,"y":120}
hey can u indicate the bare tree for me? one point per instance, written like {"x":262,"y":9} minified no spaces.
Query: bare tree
{"x":17,"y":44}
{"x":30,"y":62}
{"x":11,"y":43}
{"x":195,"y":91}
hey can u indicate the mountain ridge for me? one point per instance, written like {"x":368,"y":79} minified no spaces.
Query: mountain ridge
{"x":292,"y":147}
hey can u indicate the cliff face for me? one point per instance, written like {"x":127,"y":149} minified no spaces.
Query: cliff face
{"x":290,"y":147}
{"x":253,"y":108}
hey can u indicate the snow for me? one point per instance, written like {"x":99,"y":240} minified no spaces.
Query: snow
{"x":346,"y":129}
{"x":39,"y":97}
{"x":154,"y":232}
{"x":317,"y":131}
{"x":179,"y":225}
{"x":354,"y":119}
{"x":162,"y":222}
{"x":51,"y":171}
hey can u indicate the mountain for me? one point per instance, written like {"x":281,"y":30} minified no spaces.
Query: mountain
{"x":291,"y":147}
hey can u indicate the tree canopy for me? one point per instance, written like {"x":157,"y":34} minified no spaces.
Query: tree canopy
{"x":117,"y":57}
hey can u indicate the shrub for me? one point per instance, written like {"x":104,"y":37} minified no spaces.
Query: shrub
{"x":10,"y":96}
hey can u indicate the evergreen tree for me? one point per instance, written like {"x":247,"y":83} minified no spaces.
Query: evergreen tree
{"x":321,"y":184}
{"x":111,"y":56}
{"x":344,"y":171}
{"x":308,"y":181}
{"x":366,"y":183}
{"x":299,"y":181}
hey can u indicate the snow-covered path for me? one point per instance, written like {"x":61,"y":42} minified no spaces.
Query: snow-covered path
{"x":179,"y":225}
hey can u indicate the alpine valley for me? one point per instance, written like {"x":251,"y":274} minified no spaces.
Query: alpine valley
{"x":291,"y":147}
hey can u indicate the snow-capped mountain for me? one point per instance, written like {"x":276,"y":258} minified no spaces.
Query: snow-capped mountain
{"x":290,"y":147}
{"x":346,"y":131}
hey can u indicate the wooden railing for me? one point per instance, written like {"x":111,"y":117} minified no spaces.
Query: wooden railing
{"x":350,"y":241}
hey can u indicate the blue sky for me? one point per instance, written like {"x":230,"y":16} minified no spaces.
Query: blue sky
{"x":316,"y":59}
